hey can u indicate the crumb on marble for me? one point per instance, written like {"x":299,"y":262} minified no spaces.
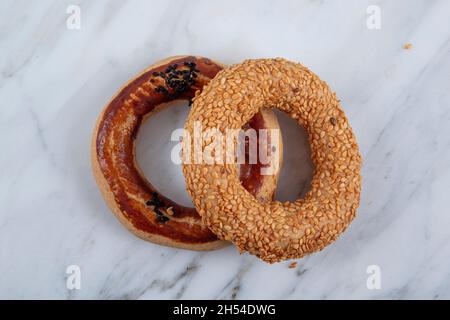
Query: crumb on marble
{"x":292,"y":265}
{"x":407,"y":46}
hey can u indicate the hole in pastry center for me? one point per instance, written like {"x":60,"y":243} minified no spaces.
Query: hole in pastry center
{"x":154,"y":147}
{"x":297,"y":170}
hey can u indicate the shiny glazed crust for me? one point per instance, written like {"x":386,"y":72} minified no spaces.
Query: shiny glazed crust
{"x":133,"y":200}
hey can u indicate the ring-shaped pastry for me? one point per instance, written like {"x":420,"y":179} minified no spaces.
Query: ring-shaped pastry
{"x":276,"y":231}
{"x":132,"y":198}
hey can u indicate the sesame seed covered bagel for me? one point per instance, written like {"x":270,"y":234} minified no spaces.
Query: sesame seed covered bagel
{"x":276,"y":231}
{"x":133,"y":199}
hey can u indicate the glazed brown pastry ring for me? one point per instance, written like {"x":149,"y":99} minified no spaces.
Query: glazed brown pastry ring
{"x":134,"y":201}
{"x":277,"y":231}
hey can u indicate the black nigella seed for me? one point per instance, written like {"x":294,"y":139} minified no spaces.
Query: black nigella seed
{"x":162,"y":219}
{"x":176,"y":80}
{"x":156,"y":202}
{"x":190,"y":64}
{"x":162,"y":89}
{"x":155,"y":74}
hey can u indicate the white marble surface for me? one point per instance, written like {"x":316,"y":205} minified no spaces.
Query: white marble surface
{"x":54,"y":82}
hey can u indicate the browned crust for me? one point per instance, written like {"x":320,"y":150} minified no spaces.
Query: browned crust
{"x":185,"y":229}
